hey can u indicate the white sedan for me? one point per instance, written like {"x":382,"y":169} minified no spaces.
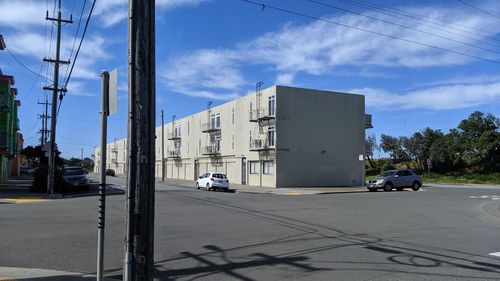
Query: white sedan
{"x":213,"y":181}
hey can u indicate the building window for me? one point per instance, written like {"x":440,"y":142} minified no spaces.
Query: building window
{"x":177,"y":131}
{"x":188,"y":127}
{"x":215,"y":120}
{"x":232,"y":115}
{"x":272,"y":105}
{"x":178,"y":148}
{"x":268,"y":167}
{"x":215,"y":143}
{"x":232,"y":141}
{"x":271,"y":133}
{"x":254,"y":167}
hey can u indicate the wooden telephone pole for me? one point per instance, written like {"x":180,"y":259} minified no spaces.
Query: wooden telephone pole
{"x":139,"y":256}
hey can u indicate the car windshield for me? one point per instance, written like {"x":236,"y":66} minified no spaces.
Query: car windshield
{"x":73,"y":172}
{"x":388,"y":173}
{"x":219,"y":176}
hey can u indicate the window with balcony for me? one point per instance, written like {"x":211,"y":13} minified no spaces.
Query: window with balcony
{"x":272,"y":105}
{"x":215,"y":120}
{"x":271,"y":133}
{"x":177,"y":131}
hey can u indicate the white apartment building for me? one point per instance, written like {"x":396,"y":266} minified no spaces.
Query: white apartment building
{"x":277,"y":137}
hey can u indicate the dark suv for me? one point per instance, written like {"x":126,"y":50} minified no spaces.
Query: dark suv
{"x":398,"y":179}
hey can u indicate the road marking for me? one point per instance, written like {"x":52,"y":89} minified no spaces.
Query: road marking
{"x":292,"y":193}
{"x":24,"y":200}
{"x":497,"y":254}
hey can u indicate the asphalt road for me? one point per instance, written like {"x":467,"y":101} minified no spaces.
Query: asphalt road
{"x":440,"y":233}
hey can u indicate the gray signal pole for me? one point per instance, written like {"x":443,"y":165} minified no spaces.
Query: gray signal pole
{"x":102,"y":186}
{"x":55,"y":90}
{"x":139,"y":256}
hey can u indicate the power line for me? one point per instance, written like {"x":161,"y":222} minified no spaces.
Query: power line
{"x":479,"y":9}
{"x":76,"y":35}
{"x":369,"y":31}
{"x":80,"y":45}
{"x":419,"y":17}
{"x":76,"y":56}
{"x":404,"y":26}
{"x":407,"y":16}
{"x":24,"y":66}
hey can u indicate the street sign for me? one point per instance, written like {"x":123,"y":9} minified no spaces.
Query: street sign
{"x":113,"y":92}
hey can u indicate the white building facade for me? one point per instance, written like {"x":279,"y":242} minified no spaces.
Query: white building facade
{"x":277,"y":137}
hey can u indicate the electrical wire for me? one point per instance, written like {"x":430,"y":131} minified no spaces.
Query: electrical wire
{"x":80,"y":45}
{"x":76,"y":56}
{"x":479,"y":9}
{"x":24,"y":66}
{"x":419,"y":19}
{"x":76,"y":35}
{"x":404,"y":26}
{"x":370,"y":31}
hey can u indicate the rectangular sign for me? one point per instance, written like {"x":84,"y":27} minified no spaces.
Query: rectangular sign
{"x":113,"y":92}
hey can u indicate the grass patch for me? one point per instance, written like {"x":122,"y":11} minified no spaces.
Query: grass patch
{"x":474,"y":178}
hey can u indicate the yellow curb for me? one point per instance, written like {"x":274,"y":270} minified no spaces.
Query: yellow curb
{"x":24,"y":200}
{"x":292,"y":193}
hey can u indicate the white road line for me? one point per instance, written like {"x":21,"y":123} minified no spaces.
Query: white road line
{"x":497,"y":254}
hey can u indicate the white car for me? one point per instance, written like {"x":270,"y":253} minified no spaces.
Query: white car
{"x":213,"y":181}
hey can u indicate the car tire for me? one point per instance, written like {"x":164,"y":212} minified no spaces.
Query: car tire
{"x":400,"y":188}
{"x":197,"y":186}
{"x":372,"y":189}
{"x":415,"y":186}
{"x":388,"y":187}
{"x":207,"y":188}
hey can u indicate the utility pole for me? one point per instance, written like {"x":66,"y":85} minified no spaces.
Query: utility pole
{"x":55,"y":90}
{"x":44,"y":117}
{"x":162,"y":147}
{"x":139,"y":256}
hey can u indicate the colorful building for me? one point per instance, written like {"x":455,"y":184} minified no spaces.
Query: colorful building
{"x":9,"y":125}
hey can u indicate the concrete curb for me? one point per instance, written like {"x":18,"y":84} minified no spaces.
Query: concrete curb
{"x":38,"y":274}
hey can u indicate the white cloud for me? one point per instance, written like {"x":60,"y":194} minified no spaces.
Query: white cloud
{"x":22,"y":13}
{"x":111,"y":12}
{"x":320,"y":48}
{"x":285,"y":79}
{"x":436,"y":98}
{"x":202,"y":73}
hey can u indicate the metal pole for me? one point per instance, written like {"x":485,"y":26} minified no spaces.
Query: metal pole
{"x":102,"y":186}
{"x":162,"y":147}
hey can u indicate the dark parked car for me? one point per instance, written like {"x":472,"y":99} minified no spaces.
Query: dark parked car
{"x":110,"y":172}
{"x":24,"y":170}
{"x":75,"y":176}
{"x":398,"y":179}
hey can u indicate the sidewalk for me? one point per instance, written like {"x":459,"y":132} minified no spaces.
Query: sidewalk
{"x":37,"y":274}
{"x":238,"y":188}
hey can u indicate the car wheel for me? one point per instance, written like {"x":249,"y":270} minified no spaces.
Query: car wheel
{"x":207,"y":188}
{"x":197,"y":186}
{"x":399,"y":188}
{"x":416,"y":186}
{"x":388,"y":187}
{"x":372,"y":189}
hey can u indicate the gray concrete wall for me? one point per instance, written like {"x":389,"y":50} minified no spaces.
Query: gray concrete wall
{"x":320,"y":136}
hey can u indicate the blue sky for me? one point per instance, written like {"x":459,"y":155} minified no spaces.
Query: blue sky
{"x":216,"y":50}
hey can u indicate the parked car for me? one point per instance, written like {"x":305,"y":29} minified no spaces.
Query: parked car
{"x":110,"y":172}
{"x":398,"y":179}
{"x":23,"y":170}
{"x":213,"y":181}
{"x":75,"y":176}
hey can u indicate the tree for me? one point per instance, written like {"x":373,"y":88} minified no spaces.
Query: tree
{"x":371,"y":145}
{"x":394,"y":147}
